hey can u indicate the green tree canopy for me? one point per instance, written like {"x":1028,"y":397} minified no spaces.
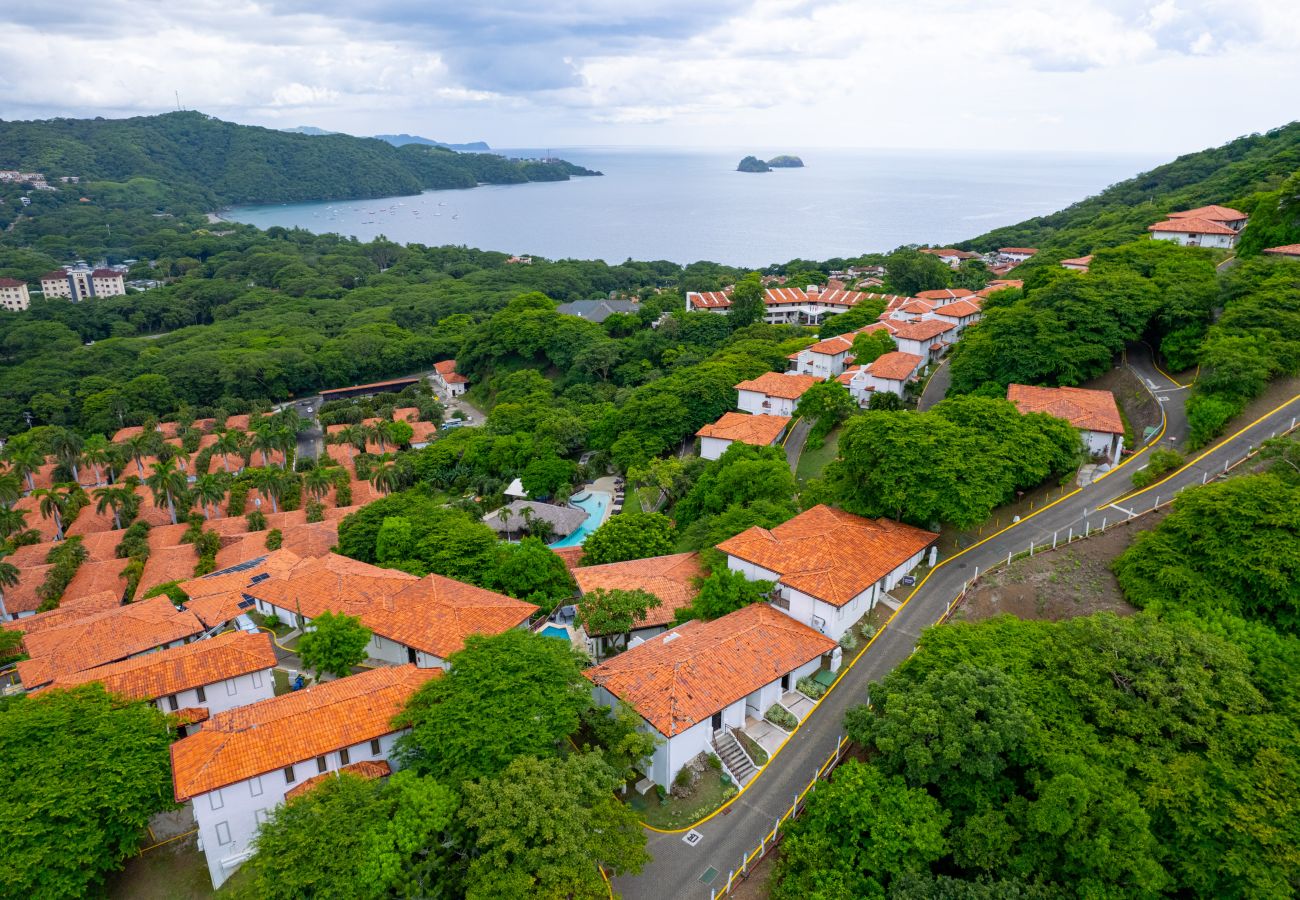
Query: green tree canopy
{"x":747,"y":304}
{"x":629,"y":535}
{"x":334,"y":644}
{"x":614,"y":612}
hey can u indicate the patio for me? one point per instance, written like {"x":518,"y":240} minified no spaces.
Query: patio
{"x":764,"y":733}
{"x":797,"y":703}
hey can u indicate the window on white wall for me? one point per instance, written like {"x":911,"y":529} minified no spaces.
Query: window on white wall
{"x":202,"y":694}
{"x":172,"y":704}
{"x":231,"y":687}
{"x":260,"y":816}
{"x":255,"y":786}
{"x":223,"y":833}
{"x":257,"y":679}
{"x":216,"y":799}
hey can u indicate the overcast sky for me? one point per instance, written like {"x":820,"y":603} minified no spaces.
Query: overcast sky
{"x":1094,"y":75}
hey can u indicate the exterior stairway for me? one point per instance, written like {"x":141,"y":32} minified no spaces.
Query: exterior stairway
{"x":733,"y":757}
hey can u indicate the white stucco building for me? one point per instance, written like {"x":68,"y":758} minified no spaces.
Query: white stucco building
{"x":13,"y":295}
{"x":1094,"y":413}
{"x":928,"y":338}
{"x":890,"y":372}
{"x":239,"y":766}
{"x":451,"y":381}
{"x":761,"y":431}
{"x":830,"y":567}
{"x":773,"y":393}
{"x":672,"y":579}
{"x":825,"y":359}
{"x":695,"y":683}
{"x":78,"y":283}
{"x":1205,"y":226}
{"x":810,"y":305}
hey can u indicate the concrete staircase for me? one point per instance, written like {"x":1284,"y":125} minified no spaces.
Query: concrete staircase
{"x":733,"y":756}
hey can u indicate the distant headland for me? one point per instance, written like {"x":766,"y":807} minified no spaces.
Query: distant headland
{"x":754,"y":164}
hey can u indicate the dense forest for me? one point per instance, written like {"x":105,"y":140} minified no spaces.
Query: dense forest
{"x":197,"y":159}
{"x":1247,"y":174}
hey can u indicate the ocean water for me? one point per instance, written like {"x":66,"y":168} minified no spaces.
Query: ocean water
{"x":686,"y":205}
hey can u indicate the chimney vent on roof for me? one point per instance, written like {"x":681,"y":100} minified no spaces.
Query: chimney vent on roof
{"x":672,"y":636}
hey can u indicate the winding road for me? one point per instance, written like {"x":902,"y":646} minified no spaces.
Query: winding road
{"x":679,"y":870}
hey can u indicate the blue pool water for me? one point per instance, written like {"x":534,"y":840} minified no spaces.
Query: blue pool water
{"x":594,"y":503}
{"x":555,"y":631}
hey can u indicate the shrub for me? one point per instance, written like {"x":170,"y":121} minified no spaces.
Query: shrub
{"x":238,"y":498}
{"x":811,"y":688}
{"x":272,"y":621}
{"x":714,"y":762}
{"x":867,"y":630}
{"x":274,"y":538}
{"x":781,"y":717}
{"x":343,"y":494}
{"x":304,"y":464}
{"x":1159,"y":463}
{"x":256,"y":520}
{"x":315,"y":511}
{"x":849,"y":641}
{"x":1207,"y":414}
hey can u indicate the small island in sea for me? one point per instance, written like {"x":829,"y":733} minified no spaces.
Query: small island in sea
{"x":754,"y":164}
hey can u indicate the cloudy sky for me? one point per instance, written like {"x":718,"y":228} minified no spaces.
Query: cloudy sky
{"x":1095,"y":75}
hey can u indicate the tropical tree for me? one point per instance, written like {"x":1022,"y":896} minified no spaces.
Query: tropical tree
{"x":8,"y":578}
{"x":317,"y":482}
{"x":614,"y":613}
{"x":95,"y":452}
{"x":11,"y":488}
{"x":24,"y":459}
{"x":140,"y":447}
{"x":53,"y":503}
{"x":168,"y":483}
{"x":629,"y":535}
{"x":12,"y":521}
{"x":115,"y":497}
{"x":66,"y":446}
{"x":265,"y":440}
{"x":383,"y":433}
{"x":228,"y":442}
{"x":269,"y":483}
{"x":334,"y":644}
{"x":210,"y":489}
{"x":384,"y":476}
{"x":354,"y":437}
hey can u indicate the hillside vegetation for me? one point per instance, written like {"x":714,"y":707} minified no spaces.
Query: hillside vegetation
{"x":1245,"y":174}
{"x":203,"y":160}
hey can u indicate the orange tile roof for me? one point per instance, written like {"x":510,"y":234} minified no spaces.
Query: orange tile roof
{"x":895,"y":366}
{"x":757,"y":430}
{"x":1086,"y":409}
{"x":944,"y":294}
{"x":922,"y":331}
{"x":1284,"y":250}
{"x":1191,"y":226}
{"x":367,"y":769}
{"x":670,"y":578}
{"x":65,"y":613}
{"x":189,"y":715}
{"x":182,"y":668}
{"x":97,"y":577}
{"x":994,"y":286}
{"x":828,"y":553}
{"x":167,"y":564}
{"x":1084,"y":261}
{"x":1029,"y":250}
{"x":104,"y":637}
{"x":1213,"y":213}
{"x":276,"y":563}
{"x":436,"y":614}
{"x":846,"y":376}
{"x":331,"y":583}
{"x":788,"y":386}
{"x":447,"y":369}
{"x":307,"y":540}
{"x":268,"y":735}
{"x":916,"y":307}
{"x":949,"y":251}
{"x":681,"y":677}
{"x":958,"y":309}
{"x":571,"y":556}
{"x":832,"y":346}
{"x":709,"y":299}
{"x":21,"y":597}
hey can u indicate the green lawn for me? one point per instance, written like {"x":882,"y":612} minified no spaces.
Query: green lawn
{"x":811,"y":462}
{"x":709,"y":794}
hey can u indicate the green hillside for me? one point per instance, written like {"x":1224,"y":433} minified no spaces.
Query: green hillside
{"x":1246,"y":174}
{"x":205,"y":161}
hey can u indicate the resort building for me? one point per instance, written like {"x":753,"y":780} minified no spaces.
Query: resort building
{"x":1094,"y":413}
{"x":13,"y":295}
{"x":890,"y":372}
{"x":959,"y":314}
{"x":78,"y":283}
{"x":699,"y":682}
{"x":673,"y":579}
{"x":1078,"y":263}
{"x":825,"y":359}
{"x":1015,"y":255}
{"x":1205,"y":226}
{"x":519,"y":518}
{"x":597,"y":310}
{"x":416,"y":620}
{"x":830,"y":567}
{"x":392,"y":386}
{"x":242,"y":763}
{"x":927,"y":339}
{"x":773,"y":393}
{"x":761,"y":431}
{"x":787,"y":305}
{"x":196,"y":680}
{"x":1289,"y":251}
{"x":30,"y":621}
{"x":950,"y":257}
{"x":451,"y":381}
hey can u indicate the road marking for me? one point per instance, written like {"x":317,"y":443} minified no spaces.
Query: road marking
{"x":1163,"y":399}
{"x":1127,"y":512}
{"x":692,"y":838}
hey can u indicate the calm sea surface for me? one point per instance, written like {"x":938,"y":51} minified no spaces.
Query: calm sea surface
{"x":685,"y":205}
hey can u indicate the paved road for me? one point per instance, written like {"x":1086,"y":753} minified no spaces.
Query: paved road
{"x":937,"y":387}
{"x":794,"y":443}
{"x":677,"y":868}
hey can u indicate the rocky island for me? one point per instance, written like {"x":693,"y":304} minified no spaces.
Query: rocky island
{"x":754,"y":164}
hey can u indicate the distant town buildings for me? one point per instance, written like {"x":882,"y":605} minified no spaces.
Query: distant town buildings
{"x":787,"y":305}
{"x":13,"y":295}
{"x":78,"y":283}
{"x":950,"y":257}
{"x":1205,"y":226}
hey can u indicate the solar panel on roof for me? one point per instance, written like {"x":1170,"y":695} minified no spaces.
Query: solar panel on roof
{"x":260,"y":577}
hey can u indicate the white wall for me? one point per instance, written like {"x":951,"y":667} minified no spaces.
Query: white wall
{"x":712,"y":448}
{"x":1103,"y":443}
{"x":380,"y":648}
{"x":820,"y":365}
{"x":228,"y":818}
{"x":223,"y":695}
{"x":1223,"y":241}
{"x":752,"y":402}
{"x":883,"y":384}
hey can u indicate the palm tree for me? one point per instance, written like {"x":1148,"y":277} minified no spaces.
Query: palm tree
{"x":354,"y":436}
{"x":211,"y":489}
{"x":66,"y":446}
{"x":269,"y":483}
{"x":383,"y":433}
{"x":227,"y":442}
{"x":8,"y":579}
{"x":114,"y":497}
{"x":288,"y":418}
{"x":317,"y":482}
{"x":384,"y":477}
{"x":54,"y":500}
{"x":286,"y":442}
{"x":264,"y":440}
{"x":372,"y":434}
{"x":24,"y":459}
{"x":118,"y":456}
{"x":11,"y":488}
{"x":167,"y":482}
{"x":140,"y":447}
{"x":12,"y":521}
{"x":96,"y":453}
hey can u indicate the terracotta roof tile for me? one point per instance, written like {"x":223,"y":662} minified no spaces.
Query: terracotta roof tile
{"x":1029,"y":250}
{"x":828,"y":553}
{"x":1213,"y":213}
{"x":944,"y":295}
{"x":21,"y":597}
{"x":307,"y":540}
{"x":1086,"y":409}
{"x":922,"y":331}
{"x":670,"y":578}
{"x":266,"y":736}
{"x":104,"y":637}
{"x":447,"y":370}
{"x":1284,"y":250}
{"x":895,"y":366}
{"x":958,"y":309}
{"x":65,"y":613}
{"x":680,"y":678}
{"x":167,"y":564}
{"x":1001,"y":285}
{"x":757,"y":430}
{"x":788,"y":386}
{"x":182,"y":668}
{"x":366,"y":769}
{"x":189,"y":715}
{"x":1191,"y":226}
{"x":1084,"y":261}
{"x":832,"y":346}
{"x":572,"y":556}
{"x":97,"y":577}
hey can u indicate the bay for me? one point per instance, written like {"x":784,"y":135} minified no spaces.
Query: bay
{"x":685,"y":205}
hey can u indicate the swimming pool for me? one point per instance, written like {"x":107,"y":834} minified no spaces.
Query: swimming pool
{"x":594,"y":503}
{"x":555,"y":631}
